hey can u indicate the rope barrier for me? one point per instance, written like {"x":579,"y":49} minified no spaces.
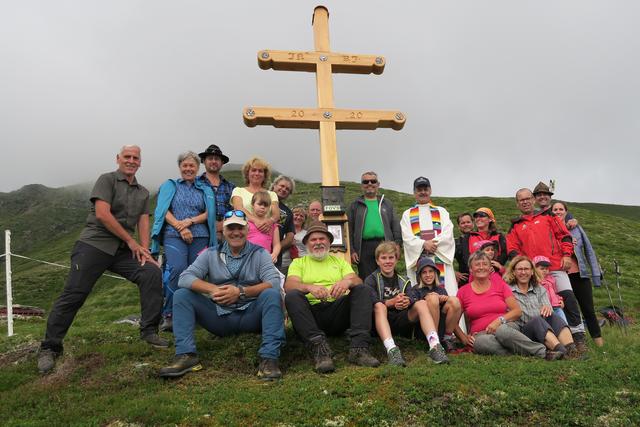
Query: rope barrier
{"x":60,"y":265}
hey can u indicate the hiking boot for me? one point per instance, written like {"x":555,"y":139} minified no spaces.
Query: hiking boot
{"x":268,"y":370}
{"x":438,"y":355}
{"x":156,"y":340}
{"x":553,"y":355}
{"x":362,"y":357}
{"x":182,"y":364}
{"x":395,"y":357}
{"x":581,"y":342}
{"x":572,"y":352}
{"x":321,"y":353}
{"x":46,"y":360}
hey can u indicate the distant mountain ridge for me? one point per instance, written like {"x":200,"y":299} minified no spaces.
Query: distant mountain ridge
{"x":36,"y":214}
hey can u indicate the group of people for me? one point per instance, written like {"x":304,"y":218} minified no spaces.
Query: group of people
{"x":236,"y":259}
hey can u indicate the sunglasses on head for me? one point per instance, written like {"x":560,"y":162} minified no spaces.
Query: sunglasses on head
{"x":369,"y":181}
{"x":480,"y":214}
{"x":238,"y":213}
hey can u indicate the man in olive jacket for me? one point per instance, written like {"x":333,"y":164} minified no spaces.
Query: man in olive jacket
{"x":372,"y":220}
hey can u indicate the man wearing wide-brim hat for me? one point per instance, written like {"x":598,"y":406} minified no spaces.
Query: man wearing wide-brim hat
{"x":324,"y":297}
{"x":229,"y":289}
{"x":213,"y":160}
{"x":542,"y":193}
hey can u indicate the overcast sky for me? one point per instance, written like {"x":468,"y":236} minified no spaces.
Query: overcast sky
{"x":498,"y":94}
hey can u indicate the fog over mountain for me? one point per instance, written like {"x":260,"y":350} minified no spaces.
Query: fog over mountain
{"x":498,"y":95}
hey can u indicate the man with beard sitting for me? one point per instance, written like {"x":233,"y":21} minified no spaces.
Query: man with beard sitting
{"x":325,"y":297}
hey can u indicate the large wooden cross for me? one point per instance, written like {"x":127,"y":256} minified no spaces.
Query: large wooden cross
{"x":325,"y":117}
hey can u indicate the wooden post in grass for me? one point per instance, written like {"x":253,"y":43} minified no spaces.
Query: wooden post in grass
{"x":325,"y":117}
{"x":7,"y":247}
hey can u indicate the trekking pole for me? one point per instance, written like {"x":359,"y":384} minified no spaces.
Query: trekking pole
{"x":617,"y":271}
{"x":606,"y":285}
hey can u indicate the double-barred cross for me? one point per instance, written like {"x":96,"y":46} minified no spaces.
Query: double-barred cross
{"x":325,"y":117}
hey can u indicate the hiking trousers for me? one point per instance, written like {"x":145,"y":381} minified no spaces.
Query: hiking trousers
{"x":87,"y":265}
{"x":367,"y":263}
{"x":352,"y":311}
{"x":507,"y":340}
{"x":571,"y":308}
{"x":264,"y":315}
{"x":584,"y":294}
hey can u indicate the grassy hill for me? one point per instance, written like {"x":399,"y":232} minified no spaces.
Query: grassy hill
{"x":107,"y":376}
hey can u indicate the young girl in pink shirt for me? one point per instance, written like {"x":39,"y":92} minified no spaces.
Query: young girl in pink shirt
{"x":260,"y":203}
{"x":542,"y":264}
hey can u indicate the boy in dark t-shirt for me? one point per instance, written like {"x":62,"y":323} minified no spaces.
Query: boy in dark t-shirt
{"x":394,"y":311}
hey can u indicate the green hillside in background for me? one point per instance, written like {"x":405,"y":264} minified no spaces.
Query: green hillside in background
{"x":108,"y":377}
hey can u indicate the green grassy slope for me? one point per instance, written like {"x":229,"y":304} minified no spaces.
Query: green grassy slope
{"x":107,"y":376}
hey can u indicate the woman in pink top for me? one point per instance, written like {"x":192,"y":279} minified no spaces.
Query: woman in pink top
{"x":269,"y":240}
{"x":489,"y":309}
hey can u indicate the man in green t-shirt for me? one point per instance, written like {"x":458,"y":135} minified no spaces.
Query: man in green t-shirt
{"x":372,"y":220}
{"x":324,"y":296}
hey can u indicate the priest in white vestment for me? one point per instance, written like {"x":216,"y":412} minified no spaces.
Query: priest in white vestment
{"x":427,"y":230}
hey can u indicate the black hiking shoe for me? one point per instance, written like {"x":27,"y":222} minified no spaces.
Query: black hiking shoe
{"x":553,"y":355}
{"x":438,"y":355}
{"x":362,"y":357}
{"x":268,"y":370}
{"x":395,"y":357}
{"x":182,"y":364}
{"x":321,"y":353}
{"x":156,"y":340}
{"x":47,"y":360}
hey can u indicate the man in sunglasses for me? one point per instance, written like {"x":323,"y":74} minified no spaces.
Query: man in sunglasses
{"x":229,"y":289}
{"x":372,"y":220}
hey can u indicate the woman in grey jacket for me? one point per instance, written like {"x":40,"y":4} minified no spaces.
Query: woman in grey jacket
{"x":584,"y":270}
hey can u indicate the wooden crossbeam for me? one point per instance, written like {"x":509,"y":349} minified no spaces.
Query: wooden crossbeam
{"x":346,"y":63}
{"x":310,"y":118}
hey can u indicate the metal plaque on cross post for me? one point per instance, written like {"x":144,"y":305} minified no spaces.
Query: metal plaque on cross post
{"x":326,"y":118}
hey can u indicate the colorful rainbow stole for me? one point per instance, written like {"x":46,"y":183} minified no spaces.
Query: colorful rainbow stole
{"x":414,"y":219}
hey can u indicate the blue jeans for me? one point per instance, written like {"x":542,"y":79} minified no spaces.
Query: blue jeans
{"x":179,"y":256}
{"x":263,"y":315}
{"x":558,"y":312}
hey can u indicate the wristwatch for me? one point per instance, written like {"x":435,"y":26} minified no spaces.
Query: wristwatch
{"x":502,"y":320}
{"x":243,"y":294}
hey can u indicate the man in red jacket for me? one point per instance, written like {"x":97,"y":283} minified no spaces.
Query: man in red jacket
{"x":541,"y":233}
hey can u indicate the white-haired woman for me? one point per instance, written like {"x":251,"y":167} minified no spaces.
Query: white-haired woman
{"x":184,"y":224}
